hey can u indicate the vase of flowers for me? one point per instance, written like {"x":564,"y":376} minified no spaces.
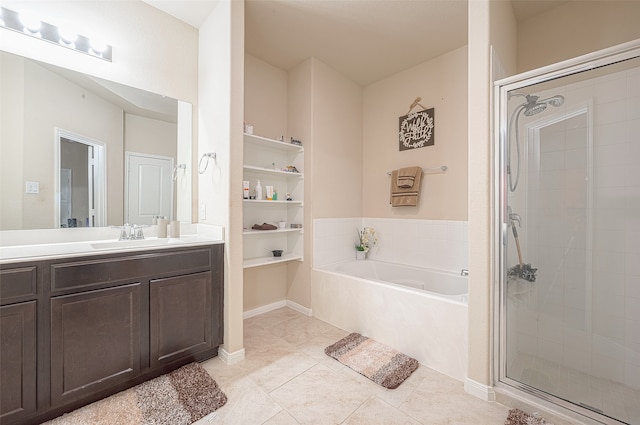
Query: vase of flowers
{"x":367,"y":239}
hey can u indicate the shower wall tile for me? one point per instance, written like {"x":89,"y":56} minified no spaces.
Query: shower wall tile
{"x":633,"y":142}
{"x":632,"y":287}
{"x":609,"y":155}
{"x":611,"y":112}
{"x":610,"y":134}
{"x":633,"y":108}
{"x":549,"y":350}
{"x":632,"y":309}
{"x":609,"y":283}
{"x":612,"y":90}
{"x":632,"y":378}
{"x":607,"y":367}
{"x":632,"y":265}
{"x":598,"y":305}
{"x":612,"y":219}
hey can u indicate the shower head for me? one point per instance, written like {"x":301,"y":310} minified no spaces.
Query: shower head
{"x":534,"y":106}
{"x":556,"y":101}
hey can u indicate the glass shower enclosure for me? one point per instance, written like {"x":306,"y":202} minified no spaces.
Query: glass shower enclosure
{"x":568,"y":197}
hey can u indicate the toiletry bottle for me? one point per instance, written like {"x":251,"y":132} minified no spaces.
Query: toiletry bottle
{"x":258,"y":191}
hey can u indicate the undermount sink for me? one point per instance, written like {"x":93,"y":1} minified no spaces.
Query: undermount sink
{"x":136,"y":243}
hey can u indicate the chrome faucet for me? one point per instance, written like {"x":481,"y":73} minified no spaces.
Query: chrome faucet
{"x":131,"y":232}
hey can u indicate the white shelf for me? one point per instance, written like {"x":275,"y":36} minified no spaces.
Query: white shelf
{"x":277,"y":144}
{"x":266,"y":201}
{"x":262,"y":261}
{"x":264,"y":161}
{"x":262,"y":170}
{"x":263,"y":232}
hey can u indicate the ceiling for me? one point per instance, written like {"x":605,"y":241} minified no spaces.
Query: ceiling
{"x":365,"y":40}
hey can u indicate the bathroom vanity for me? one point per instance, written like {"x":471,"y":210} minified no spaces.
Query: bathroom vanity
{"x":77,"y":328}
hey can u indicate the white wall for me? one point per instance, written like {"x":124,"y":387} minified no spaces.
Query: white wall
{"x":221,"y":93}
{"x":583,"y":27}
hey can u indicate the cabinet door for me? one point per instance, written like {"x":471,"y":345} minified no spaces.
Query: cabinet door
{"x":17,"y":361}
{"x":180,"y":313}
{"x":95,"y":341}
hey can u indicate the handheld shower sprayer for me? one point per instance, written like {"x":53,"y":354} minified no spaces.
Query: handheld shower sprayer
{"x":532,"y":106}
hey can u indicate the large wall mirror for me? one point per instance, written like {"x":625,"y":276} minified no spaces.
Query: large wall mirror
{"x":79,"y":151}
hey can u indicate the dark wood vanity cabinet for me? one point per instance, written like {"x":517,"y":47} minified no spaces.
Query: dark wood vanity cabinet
{"x":78,"y":329}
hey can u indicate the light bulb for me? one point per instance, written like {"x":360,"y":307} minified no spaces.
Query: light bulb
{"x":98,"y":46}
{"x":67,"y":36}
{"x":30,"y":21}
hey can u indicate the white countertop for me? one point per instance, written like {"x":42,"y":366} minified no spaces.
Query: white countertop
{"x":61,"y":243}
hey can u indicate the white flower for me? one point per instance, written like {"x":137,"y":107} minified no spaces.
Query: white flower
{"x":367,"y":239}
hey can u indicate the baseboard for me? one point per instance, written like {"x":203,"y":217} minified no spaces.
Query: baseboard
{"x":264,"y":309}
{"x":274,"y":306}
{"x":230,"y":358}
{"x":479,"y":390}
{"x":299,"y":308}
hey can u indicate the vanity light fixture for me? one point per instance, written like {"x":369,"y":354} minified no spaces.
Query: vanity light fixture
{"x":29,"y":24}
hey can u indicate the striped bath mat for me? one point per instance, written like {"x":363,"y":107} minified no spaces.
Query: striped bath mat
{"x":383,"y":365}
{"x":180,"y":397}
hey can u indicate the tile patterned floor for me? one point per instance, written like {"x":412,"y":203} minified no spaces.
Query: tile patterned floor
{"x":615,"y":399}
{"x":286,"y":379}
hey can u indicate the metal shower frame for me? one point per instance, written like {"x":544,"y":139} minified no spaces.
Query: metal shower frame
{"x":502,"y":384}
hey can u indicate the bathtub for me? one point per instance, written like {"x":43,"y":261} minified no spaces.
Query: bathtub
{"x":435,"y":282}
{"x":420,"y":312}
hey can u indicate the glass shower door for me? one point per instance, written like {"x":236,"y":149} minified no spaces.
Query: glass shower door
{"x":571,"y":282}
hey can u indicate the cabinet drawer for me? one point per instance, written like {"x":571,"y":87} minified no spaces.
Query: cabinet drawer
{"x":18,"y":284}
{"x":96,"y":273}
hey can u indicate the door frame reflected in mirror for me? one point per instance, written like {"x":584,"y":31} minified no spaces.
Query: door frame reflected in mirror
{"x":97,"y":177}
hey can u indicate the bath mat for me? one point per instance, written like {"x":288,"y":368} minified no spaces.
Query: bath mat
{"x":177,"y":398}
{"x":383,"y":365}
{"x":518,"y":417}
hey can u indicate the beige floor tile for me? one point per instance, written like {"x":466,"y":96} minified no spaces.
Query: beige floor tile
{"x":282,"y":418}
{"x":282,"y":370}
{"x":376,"y":411}
{"x":301,"y":329}
{"x":246,"y":403}
{"x":321,"y":396}
{"x":440,"y":400}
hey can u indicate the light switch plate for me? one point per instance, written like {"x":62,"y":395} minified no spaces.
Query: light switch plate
{"x":32,"y":187}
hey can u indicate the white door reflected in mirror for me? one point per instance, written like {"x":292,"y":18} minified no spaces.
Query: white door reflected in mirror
{"x":148,"y":188}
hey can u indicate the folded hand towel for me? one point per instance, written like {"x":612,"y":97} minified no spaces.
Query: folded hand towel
{"x":404,"y":197}
{"x":264,"y":226}
{"x":407,"y":176}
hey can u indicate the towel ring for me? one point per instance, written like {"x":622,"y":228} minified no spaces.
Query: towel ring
{"x":174,"y":175}
{"x":206,"y":164}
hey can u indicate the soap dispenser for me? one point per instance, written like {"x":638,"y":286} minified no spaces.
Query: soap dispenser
{"x":258,"y":191}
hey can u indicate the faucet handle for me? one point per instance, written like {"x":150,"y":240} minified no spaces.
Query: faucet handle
{"x":139,"y":233}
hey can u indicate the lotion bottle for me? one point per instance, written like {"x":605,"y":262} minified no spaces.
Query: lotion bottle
{"x":258,"y":191}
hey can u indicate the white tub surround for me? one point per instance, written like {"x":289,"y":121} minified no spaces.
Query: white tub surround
{"x":435,"y":244}
{"x":431,"y":328}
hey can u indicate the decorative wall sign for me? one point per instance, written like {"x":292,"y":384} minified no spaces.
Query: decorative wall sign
{"x":417,"y":130}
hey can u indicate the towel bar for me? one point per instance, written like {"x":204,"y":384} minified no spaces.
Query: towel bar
{"x":441,"y":168}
